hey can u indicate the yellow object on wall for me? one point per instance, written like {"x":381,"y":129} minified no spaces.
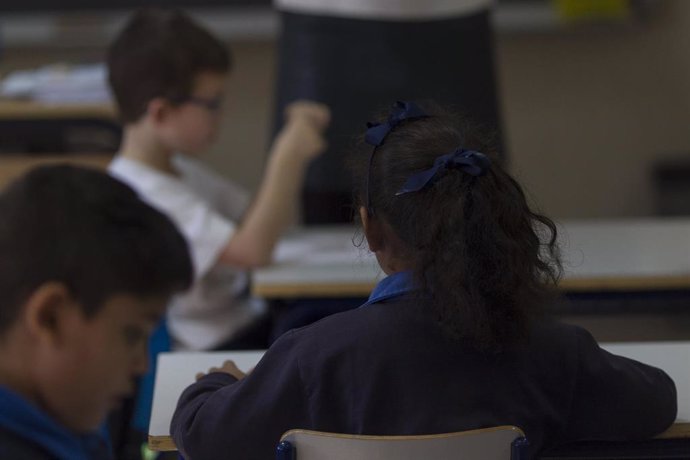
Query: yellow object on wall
{"x":592,"y":10}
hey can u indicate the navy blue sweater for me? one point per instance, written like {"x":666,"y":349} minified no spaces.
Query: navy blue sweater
{"x":28,"y":433}
{"x":387,"y":369}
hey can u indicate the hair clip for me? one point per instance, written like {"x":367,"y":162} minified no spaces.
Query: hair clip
{"x":468,"y":161}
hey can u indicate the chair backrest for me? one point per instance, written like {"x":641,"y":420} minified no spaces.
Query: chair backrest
{"x":499,"y":443}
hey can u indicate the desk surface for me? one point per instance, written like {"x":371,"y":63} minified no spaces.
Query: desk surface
{"x":177,"y":370}
{"x":627,"y":255}
{"x":11,"y":109}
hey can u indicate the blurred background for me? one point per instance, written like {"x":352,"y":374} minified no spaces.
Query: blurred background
{"x":594,"y":95}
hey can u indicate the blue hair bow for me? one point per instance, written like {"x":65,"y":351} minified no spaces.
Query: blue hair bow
{"x":401,"y":111}
{"x":468,"y":161}
{"x":377,"y":132}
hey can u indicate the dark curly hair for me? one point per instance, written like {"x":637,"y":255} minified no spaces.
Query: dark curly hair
{"x":485,"y":259}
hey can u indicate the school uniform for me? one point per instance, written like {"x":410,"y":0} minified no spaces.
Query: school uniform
{"x":387,"y":369}
{"x":206,"y":209}
{"x":27,"y":433}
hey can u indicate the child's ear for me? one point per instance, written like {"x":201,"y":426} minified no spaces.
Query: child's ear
{"x":372,"y":230}
{"x":158,"y":109}
{"x":46,"y":310}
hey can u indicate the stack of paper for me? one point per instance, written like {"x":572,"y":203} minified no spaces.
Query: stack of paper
{"x":59,"y":84}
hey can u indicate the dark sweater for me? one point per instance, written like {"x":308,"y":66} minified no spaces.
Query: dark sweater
{"x":387,"y":369}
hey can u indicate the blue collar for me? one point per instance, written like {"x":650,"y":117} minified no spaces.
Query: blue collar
{"x":394,"y":285}
{"x":28,"y":421}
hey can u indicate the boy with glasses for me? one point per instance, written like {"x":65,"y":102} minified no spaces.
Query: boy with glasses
{"x":168,"y":75}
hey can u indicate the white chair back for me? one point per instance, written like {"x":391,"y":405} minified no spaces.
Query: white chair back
{"x":499,"y":443}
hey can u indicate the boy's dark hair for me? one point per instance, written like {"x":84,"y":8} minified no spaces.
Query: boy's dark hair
{"x":83,"y":228}
{"x":159,"y":53}
{"x":486,"y":259}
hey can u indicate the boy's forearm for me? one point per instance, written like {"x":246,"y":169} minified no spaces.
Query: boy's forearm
{"x":274,"y":209}
{"x":272,"y":212}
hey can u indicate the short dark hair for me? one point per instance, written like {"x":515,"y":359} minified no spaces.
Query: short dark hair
{"x":159,"y":53}
{"x":487,"y":261}
{"x":87,"y":230}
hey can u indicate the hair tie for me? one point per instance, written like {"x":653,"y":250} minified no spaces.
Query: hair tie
{"x":468,"y":161}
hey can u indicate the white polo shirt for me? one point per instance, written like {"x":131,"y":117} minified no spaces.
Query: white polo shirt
{"x":204,"y":207}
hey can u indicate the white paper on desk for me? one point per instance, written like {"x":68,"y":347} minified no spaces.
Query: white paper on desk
{"x":320,"y":251}
{"x":337,"y":257}
{"x":59,"y":84}
{"x":176,"y":371}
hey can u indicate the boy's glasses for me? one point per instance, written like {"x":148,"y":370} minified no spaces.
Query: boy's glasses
{"x":210,"y":104}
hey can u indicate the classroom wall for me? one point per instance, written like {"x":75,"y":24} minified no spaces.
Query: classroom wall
{"x":586,"y":112}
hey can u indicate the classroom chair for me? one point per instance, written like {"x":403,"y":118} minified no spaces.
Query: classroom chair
{"x":498,"y":443}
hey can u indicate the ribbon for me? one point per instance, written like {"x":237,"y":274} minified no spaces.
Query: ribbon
{"x":377,"y":132}
{"x":470,"y":162}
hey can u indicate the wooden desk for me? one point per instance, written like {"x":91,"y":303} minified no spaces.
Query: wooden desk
{"x":11,"y":109}
{"x":13,"y":166}
{"x":176,"y":371}
{"x":616,"y":255}
{"x":319,"y":262}
{"x":40,"y":128}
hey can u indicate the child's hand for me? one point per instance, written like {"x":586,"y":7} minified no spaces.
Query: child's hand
{"x":302,"y":136}
{"x":317,"y":113}
{"x":229,"y":367}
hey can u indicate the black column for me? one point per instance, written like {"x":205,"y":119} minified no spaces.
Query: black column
{"x":359,"y":66}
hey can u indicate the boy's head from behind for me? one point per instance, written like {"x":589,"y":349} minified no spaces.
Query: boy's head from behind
{"x":166,"y":69}
{"x":85,"y":274}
